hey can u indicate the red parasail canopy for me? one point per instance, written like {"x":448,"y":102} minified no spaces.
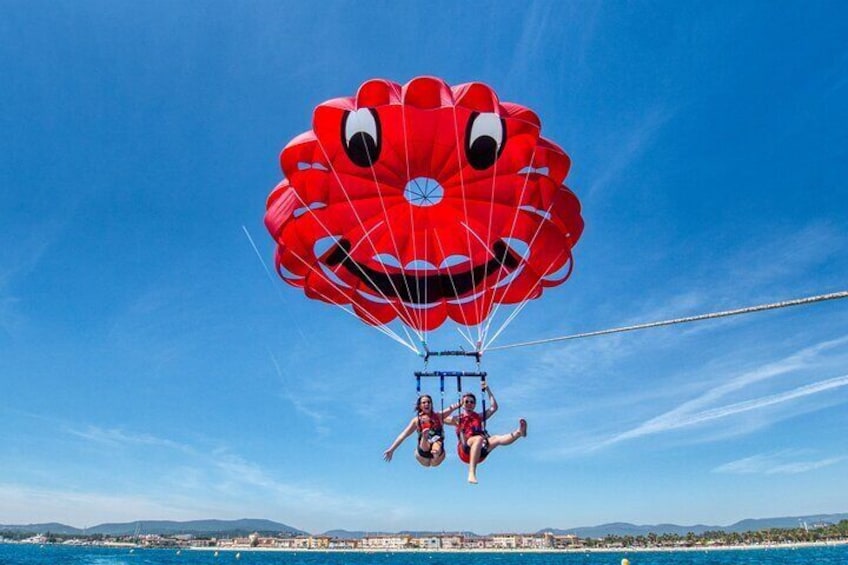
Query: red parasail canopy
{"x":423,"y":202}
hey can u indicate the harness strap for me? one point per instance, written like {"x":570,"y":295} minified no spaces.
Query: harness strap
{"x":483,"y":398}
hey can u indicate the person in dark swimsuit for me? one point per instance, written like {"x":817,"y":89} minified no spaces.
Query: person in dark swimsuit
{"x":430,"y":451}
{"x":474,"y":443}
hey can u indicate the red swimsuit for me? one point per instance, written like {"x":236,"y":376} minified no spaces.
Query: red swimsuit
{"x":470,"y":425}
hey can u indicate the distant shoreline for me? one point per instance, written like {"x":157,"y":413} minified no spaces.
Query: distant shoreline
{"x":781,"y":546}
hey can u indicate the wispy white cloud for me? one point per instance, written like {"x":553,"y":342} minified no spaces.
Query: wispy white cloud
{"x":240,"y":476}
{"x":18,"y":261}
{"x":117,"y":437}
{"x":31,"y":504}
{"x":631,"y":146}
{"x":318,"y":417}
{"x":783,"y":254}
{"x":757,"y":398}
{"x":676,"y":420}
{"x":787,"y":462}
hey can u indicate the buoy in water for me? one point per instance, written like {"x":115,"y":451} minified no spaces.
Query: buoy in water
{"x":625,"y":561}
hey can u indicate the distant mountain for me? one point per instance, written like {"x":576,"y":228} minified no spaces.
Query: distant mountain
{"x":165,"y":527}
{"x":196,"y":527}
{"x":749,"y":525}
{"x":52,"y":527}
{"x":223,"y":528}
{"x":627,"y":529}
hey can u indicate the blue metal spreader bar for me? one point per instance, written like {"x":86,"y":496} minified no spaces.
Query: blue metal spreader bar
{"x":478,"y":374}
{"x":451,"y":353}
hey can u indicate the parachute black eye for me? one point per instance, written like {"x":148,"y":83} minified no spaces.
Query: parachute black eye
{"x":361,"y":136}
{"x":484,"y":139}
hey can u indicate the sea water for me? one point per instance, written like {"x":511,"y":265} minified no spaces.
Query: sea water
{"x":27,"y":554}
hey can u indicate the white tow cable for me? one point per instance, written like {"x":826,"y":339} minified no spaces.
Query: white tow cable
{"x":723,"y":314}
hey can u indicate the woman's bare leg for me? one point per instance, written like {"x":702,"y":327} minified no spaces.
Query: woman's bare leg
{"x":438,"y":452}
{"x":423,"y":460}
{"x":507,"y":439}
{"x":475,"y":447}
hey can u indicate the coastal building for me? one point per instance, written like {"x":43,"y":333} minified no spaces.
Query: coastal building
{"x":451,"y":542}
{"x":428,"y":542}
{"x":337,"y":543}
{"x":386,"y":542}
{"x":476,"y":542}
{"x":536,"y":541}
{"x":567,"y":541}
{"x":505,"y":541}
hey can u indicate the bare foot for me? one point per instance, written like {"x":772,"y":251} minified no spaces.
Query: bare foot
{"x":472,"y":479}
{"x":522,"y":427}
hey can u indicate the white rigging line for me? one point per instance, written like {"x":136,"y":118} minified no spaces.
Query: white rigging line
{"x":377,"y":325}
{"x":423,"y":335}
{"x":361,"y":225}
{"x":391,"y":230}
{"x":509,"y":284}
{"x":489,"y":231}
{"x":456,"y":293}
{"x":722,"y":314}
{"x":521,"y":306}
{"x":271,"y":278}
{"x":526,"y":253}
{"x":465,"y":210}
{"x":382,"y":328}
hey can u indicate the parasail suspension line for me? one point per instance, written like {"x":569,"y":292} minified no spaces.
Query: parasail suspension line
{"x":519,"y":309}
{"x":389,"y":224}
{"x":362,"y":226}
{"x":382,"y":328}
{"x":687,"y":319}
{"x":465,"y":211}
{"x":453,"y":284}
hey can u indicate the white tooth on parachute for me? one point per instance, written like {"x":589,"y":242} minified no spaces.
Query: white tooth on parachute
{"x":538,"y":170}
{"x":518,"y":246}
{"x":387,"y":259}
{"x":420,"y":266}
{"x":333,"y":277}
{"x":372,"y":298}
{"x":467,"y":299}
{"x":454,"y":260}
{"x":544,"y":213}
{"x":288,"y":275}
{"x":510,"y":277}
{"x":325,"y":244}
{"x":312,"y":206}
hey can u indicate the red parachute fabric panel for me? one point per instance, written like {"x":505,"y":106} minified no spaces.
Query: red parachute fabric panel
{"x":423,"y":202}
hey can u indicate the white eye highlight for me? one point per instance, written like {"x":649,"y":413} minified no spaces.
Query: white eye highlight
{"x":484,"y":140}
{"x":361,"y":136}
{"x":488,"y":124}
{"x":360,"y":121}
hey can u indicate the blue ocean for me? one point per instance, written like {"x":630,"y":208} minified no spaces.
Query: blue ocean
{"x":24,"y":554}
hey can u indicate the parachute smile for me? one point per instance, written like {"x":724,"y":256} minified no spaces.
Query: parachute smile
{"x":416,"y":289}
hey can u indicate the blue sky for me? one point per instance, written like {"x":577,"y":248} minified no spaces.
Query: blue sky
{"x":150,"y":369}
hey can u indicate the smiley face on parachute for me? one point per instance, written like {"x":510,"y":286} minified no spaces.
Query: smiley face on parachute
{"x":423,"y":202}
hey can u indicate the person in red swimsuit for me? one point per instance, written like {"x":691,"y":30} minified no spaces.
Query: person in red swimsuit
{"x":430,"y":451}
{"x":475,"y":443}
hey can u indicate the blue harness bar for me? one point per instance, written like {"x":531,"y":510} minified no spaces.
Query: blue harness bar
{"x":452,"y":353}
{"x":478,"y":374}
